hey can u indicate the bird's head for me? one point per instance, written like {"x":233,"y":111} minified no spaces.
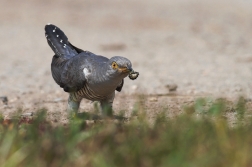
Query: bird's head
{"x":120,"y":65}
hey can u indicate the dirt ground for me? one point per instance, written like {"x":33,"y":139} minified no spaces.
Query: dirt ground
{"x":204,"y":47}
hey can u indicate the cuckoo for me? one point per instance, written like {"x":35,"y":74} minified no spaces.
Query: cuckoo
{"x":84,"y":74}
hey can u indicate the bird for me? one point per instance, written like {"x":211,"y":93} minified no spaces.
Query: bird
{"x":84,"y":74}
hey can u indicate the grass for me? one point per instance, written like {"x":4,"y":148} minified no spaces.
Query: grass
{"x":199,"y":137}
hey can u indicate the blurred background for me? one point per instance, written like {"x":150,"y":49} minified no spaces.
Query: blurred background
{"x":202,"y":46}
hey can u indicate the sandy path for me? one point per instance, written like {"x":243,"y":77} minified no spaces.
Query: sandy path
{"x":203,"y":47}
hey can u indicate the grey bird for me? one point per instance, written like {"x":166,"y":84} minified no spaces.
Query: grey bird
{"x":84,"y":74}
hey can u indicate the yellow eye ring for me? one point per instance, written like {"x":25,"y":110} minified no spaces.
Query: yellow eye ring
{"x":114,"y":65}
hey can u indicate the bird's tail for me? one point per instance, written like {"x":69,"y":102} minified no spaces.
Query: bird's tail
{"x":59,"y":43}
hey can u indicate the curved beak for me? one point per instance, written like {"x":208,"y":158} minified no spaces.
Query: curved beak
{"x":126,"y":69}
{"x":130,"y":69}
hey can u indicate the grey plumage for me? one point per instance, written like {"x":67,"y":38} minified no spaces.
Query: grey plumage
{"x":84,"y":74}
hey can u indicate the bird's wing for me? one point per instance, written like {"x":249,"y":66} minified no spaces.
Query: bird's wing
{"x":78,"y":70}
{"x":119,"y":87}
{"x":56,"y":67}
{"x":59,"y":43}
{"x":72,"y":77}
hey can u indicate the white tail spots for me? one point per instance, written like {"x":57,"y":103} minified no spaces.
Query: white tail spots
{"x":64,"y":46}
{"x":54,"y":29}
{"x":57,"y":35}
{"x":61,"y":41}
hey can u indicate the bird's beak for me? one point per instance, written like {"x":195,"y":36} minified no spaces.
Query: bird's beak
{"x":126,"y":69}
{"x":130,"y":69}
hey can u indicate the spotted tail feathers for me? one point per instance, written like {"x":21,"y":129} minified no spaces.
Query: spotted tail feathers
{"x":59,"y":43}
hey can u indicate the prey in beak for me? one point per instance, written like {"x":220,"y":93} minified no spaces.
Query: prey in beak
{"x":132,"y":74}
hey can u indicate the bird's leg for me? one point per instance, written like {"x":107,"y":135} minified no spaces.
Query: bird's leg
{"x":73,"y":104}
{"x":106,"y":108}
{"x":106,"y":105}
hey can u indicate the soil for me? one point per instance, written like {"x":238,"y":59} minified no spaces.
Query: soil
{"x":202,"y":47}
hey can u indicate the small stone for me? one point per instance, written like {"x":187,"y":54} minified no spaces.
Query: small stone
{"x":153,"y":99}
{"x":28,"y":114}
{"x":4,"y":99}
{"x":172,"y":87}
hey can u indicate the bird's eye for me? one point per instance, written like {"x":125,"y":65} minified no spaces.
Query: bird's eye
{"x":114,"y":65}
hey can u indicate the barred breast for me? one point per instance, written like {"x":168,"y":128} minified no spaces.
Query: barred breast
{"x":87,"y":93}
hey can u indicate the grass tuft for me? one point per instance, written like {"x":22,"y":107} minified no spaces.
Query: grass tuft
{"x":199,"y":137}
